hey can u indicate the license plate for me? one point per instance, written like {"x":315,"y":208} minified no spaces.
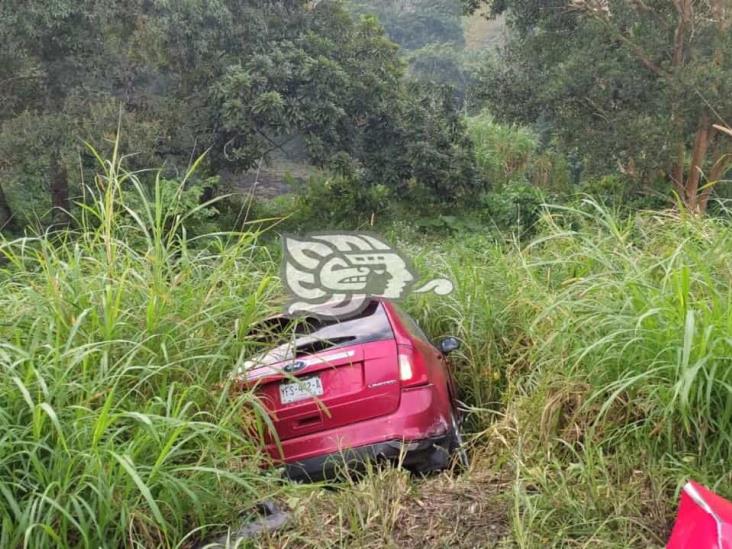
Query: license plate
{"x":302,"y":389}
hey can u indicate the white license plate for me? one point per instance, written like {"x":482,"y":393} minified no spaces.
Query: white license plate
{"x":301,"y":389}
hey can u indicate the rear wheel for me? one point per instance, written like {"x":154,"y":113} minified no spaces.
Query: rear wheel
{"x":449,"y":452}
{"x":457,"y":446}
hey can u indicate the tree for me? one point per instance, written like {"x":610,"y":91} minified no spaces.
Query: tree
{"x":236,"y":78}
{"x":634,"y":85}
{"x":445,"y":65}
{"x":330,"y":81}
{"x":431,"y":36}
{"x":58,"y":59}
{"x":6,"y":215}
{"x":438,"y":151}
{"x":414,"y":24}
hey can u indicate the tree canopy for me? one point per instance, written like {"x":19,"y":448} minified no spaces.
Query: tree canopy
{"x":414,"y":24}
{"x":236,"y":78}
{"x":635,"y":86}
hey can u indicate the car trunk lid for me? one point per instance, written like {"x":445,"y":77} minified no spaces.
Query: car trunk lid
{"x":340,"y":374}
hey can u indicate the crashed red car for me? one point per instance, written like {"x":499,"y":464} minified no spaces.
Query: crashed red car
{"x":366,"y":387}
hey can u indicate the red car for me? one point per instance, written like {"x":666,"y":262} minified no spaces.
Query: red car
{"x":366,"y":387}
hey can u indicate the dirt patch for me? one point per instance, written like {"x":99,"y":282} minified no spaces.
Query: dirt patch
{"x":466,"y":511}
{"x":391,"y":508}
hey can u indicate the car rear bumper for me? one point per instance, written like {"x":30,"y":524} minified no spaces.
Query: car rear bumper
{"x":421,"y":421}
{"x":422,"y":455}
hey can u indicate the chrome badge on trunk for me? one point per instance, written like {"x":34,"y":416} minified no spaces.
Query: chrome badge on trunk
{"x":294,"y":367}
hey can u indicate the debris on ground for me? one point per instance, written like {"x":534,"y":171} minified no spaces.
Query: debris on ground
{"x":272,"y":518}
{"x":456,"y":511}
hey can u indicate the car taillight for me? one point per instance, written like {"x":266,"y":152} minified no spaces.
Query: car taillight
{"x":406,"y":372}
{"x":411,"y":367}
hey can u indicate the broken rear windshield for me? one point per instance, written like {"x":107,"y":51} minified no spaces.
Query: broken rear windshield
{"x":296,"y":337}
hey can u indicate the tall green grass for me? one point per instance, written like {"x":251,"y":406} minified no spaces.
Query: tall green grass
{"x":117,"y":427}
{"x":510,"y":154}
{"x":646,"y":318}
{"x":596,"y":360}
{"x":604,"y":348}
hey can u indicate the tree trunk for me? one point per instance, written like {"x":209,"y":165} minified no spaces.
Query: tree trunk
{"x":683,"y":7}
{"x":696,"y":168}
{"x":6,"y":214}
{"x":59,"y":192}
{"x":721,"y":158}
{"x":677,"y":171}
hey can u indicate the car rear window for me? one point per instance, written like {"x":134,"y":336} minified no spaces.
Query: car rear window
{"x":293,"y":337}
{"x":410,"y":324}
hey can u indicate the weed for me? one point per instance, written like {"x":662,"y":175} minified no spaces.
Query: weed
{"x":113,"y":340}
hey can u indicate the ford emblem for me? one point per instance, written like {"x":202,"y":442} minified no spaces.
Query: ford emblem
{"x":294,"y":367}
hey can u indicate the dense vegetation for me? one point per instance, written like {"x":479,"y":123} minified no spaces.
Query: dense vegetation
{"x":239,"y":79}
{"x":113,"y":338}
{"x":572,"y":185}
{"x":596,"y":361}
{"x":605,"y":341}
{"x":636,"y":87}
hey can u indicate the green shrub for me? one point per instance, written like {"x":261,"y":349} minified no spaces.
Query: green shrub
{"x":342,"y":201}
{"x":514,"y":209}
{"x":619,"y":191}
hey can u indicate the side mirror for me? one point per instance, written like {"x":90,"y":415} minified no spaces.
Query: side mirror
{"x":448,"y":345}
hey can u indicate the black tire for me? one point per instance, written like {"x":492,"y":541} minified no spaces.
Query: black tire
{"x":457,"y":446}
{"x":448,"y":453}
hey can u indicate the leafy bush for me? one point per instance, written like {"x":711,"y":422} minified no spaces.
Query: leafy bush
{"x":429,"y":152}
{"x":515,"y":208}
{"x":330,"y":200}
{"x":620,"y":191}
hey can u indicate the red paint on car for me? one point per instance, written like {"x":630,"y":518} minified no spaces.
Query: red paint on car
{"x":383,"y":390}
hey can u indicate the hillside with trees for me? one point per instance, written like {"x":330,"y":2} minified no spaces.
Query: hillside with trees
{"x":566,"y":164}
{"x":181,"y":79}
{"x":635,"y":87}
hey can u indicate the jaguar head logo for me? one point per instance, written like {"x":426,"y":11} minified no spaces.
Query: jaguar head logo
{"x":331,"y":274}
